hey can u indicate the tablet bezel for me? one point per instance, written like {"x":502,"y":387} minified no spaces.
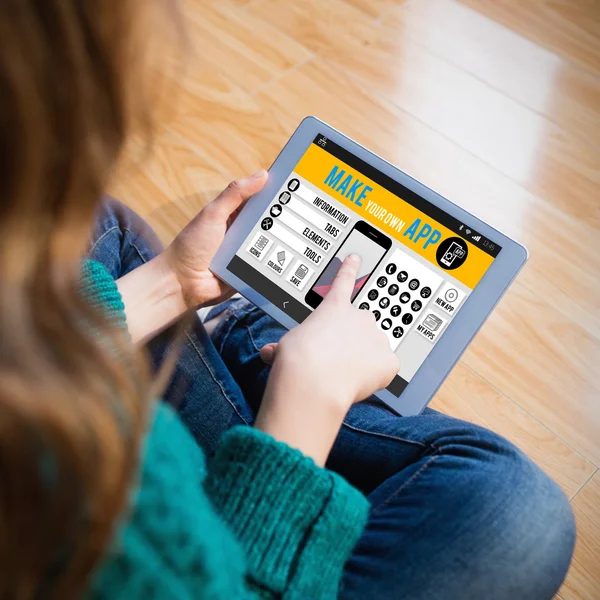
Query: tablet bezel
{"x":463,"y":327}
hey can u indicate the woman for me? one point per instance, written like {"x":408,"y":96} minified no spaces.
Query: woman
{"x":106,"y":493}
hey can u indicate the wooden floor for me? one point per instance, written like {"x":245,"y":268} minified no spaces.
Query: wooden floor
{"x":495,"y":104}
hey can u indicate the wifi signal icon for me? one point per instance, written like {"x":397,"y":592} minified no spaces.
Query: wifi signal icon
{"x":467,"y":231}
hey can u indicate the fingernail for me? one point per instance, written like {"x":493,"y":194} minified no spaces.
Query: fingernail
{"x":354,"y":257}
{"x":258,"y":174}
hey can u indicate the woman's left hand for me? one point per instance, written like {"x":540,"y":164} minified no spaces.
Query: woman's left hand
{"x":193,"y":249}
{"x":158,"y":292}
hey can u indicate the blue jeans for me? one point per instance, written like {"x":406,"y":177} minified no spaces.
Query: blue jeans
{"x":457,"y":511}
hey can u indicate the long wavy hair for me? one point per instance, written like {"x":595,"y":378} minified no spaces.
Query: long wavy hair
{"x":73,"y":403}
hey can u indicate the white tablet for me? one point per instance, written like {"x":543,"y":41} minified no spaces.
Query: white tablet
{"x":431,"y":272}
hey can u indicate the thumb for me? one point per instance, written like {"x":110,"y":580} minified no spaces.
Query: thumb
{"x":343,"y":284}
{"x":267,"y":353}
{"x":236,"y":193}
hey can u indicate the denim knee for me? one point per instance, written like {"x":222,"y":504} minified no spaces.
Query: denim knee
{"x":121,"y":240}
{"x":529,"y":524}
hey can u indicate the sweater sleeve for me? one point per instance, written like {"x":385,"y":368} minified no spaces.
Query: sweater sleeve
{"x":296,"y":522}
{"x":101,"y":291}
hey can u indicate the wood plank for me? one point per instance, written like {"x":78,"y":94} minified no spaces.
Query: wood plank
{"x":225,"y":124}
{"x":467,"y":396}
{"x":537,"y":78}
{"x":513,"y":139}
{"x":583,"y":579}
{"x":245,"y":47}
{"x":322,"y":26}
{"x":165,"y":171}
{"x":546,"y":364}
{"x":375,"y":8}
{"x":566,"y":27}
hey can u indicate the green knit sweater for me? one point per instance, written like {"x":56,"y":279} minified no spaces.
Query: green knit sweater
{"x":258,"y":520}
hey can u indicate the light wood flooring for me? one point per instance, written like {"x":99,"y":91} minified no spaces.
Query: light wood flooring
{"x":495,"y":104}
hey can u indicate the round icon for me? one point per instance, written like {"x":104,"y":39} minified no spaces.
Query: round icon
{"x":404,"y":297}
{"x":284,"y":197}
{"x":395,"y":310}
{"x":266,"y":223}
{"x":402,"y":276}
{"x":390,"y":269}
{"x":276,"y":210}
{"x":384,"y":302}
{"x":425,"y":292}
{"x":393,"y":289}
{"x":452,"y":253}
{"x":398,"y":332}
{"x":377,"y":315}
{"x":451,"y":295}
{"x":382,"y":281}
{"x":372,"y":295}
{"x":416,"y":305}
{"x":293,"y":185}
{"x":386,"y":324}
{"x":364,"y":306}
{"x":407,"y":318}
{"x":414,"y":284}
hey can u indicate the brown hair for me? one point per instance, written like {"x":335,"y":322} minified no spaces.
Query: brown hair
{"x":72,"y":410}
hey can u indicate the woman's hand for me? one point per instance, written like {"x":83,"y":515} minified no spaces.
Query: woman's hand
{"x":193,"y":249}
{"x":336,"y":357}
{"x":158,"y":292}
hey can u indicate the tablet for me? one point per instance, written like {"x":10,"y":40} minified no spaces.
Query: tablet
{"x":431,"y":272}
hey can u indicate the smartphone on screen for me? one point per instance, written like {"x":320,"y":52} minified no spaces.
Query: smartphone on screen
{"x":366,"y":241}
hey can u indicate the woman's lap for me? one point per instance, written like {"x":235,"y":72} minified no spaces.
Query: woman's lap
{"x":457,"y":511}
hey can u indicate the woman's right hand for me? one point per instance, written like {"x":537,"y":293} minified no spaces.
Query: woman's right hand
{"x":336,"y":357}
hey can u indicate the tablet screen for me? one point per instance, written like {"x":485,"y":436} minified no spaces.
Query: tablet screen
{"x":418,"y":263}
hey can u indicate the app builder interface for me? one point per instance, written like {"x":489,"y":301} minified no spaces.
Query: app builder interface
{"x":358,"y":243}
{"x":418,"y":263}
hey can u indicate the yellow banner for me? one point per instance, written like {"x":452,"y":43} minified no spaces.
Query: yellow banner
{"x":402,"y":221}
